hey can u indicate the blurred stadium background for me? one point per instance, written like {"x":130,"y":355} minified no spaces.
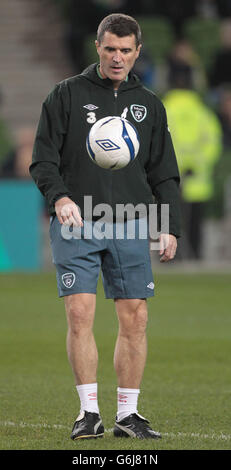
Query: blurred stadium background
{"x":44,"y":41}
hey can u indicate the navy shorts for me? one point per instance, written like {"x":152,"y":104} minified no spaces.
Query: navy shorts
{"x":119,"y":251}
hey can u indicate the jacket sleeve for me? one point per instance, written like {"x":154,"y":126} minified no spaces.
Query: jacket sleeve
{"x":46,"y":157}
{"x":162,"y":171}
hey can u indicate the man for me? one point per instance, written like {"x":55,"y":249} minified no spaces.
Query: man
{"x":65,"y":175}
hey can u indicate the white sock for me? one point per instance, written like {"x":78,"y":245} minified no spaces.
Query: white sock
{"x":127,"y":399}
{"x":88,"y":397}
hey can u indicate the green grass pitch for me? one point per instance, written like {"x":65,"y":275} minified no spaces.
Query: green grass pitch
{"x":186,"y":386}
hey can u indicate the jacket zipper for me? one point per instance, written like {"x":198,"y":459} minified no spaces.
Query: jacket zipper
{"x":115,"y":93}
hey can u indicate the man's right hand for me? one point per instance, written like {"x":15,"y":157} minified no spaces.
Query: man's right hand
{"x":67,"y":212}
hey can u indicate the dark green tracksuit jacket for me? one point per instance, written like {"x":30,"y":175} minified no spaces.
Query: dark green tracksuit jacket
{"x":61,"y":165}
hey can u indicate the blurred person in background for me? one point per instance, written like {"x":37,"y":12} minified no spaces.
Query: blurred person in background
{"x":197,"y":138}
{"x":222,"y":199}
{"x":183,"y":52}
{"x":16,"y":163}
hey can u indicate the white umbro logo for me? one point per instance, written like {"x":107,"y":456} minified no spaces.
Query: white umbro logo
{"x":90,"y":107}
{"x":151,"y":285}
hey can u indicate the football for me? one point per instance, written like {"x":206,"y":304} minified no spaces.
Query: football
{"x":113,"y":142}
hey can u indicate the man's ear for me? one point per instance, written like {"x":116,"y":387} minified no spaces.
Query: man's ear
{"x":97,"y":45}
{"x":138,"y":51}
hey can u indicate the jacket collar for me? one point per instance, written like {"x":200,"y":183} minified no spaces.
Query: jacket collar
{"x":91,"y":73}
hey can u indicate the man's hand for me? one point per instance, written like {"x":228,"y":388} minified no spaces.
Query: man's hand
{"x":168,"y":246}
{"x":67,"y":212}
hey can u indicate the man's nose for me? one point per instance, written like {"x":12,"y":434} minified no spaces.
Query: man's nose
{"x":117,"y":56}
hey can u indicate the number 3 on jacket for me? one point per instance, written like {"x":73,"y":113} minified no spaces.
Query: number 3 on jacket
{"x":91,"y":118}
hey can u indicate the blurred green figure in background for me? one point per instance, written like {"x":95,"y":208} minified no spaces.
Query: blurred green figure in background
{"x":197,"y":137}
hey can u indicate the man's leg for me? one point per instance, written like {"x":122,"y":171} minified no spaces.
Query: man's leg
{"x":131,"y":346}
{"x":83,"y":357}
{"x":129,"y":361}
{"x":81,"y":348}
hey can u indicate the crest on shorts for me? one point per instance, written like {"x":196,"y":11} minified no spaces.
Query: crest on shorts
{"x":68,"y":279}
{"x":139,"y":112}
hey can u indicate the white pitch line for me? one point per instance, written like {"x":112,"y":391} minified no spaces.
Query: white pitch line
{"x":213,"y":436}
{"x":216,"y":437}
{"x":33,"y":425}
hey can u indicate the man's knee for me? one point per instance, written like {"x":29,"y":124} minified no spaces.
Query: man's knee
{"x":132,"y":315}
{"x":80,"y":309}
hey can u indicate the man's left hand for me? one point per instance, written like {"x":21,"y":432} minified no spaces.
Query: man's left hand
{"x":168,"y":246}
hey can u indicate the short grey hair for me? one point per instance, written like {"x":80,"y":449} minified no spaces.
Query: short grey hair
{"x":121,"y":25}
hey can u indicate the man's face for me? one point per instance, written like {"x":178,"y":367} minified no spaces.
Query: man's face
{"x":117,"y":56}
